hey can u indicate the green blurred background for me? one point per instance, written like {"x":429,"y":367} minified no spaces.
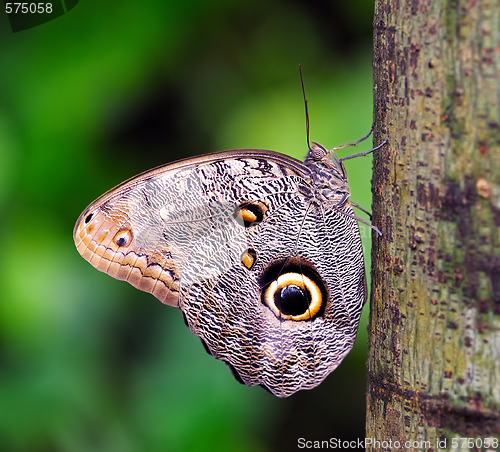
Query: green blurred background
{"x":104,"y":92}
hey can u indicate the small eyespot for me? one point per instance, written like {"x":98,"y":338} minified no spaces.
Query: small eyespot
{"x":293,"y":296}
{"x":89,"y":217}
{"x":122,"y":238}
{"x":248,"y":258}
{"x":250,"y":213}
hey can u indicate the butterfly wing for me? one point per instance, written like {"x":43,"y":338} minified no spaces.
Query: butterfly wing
{"x":238,"y":242}
{"x":146,"y":230}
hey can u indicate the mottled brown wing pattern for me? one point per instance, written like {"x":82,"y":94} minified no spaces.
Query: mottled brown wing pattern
{"x":260,"y":255}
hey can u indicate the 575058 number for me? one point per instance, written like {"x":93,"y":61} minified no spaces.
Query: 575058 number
{"x":475,"y":443}
{"x":28,"y":8}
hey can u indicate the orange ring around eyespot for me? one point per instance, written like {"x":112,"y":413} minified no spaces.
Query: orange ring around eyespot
{"x":125,"y":234}
{"x":302,"y":281}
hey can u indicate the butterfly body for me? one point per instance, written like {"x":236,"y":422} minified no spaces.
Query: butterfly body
{"x":260,"y":251}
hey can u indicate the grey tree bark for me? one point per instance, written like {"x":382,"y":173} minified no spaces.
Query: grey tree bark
{"x":434,"y":364}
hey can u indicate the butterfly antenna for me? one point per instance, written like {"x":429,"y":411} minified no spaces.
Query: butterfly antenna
{"x":305,"y":105}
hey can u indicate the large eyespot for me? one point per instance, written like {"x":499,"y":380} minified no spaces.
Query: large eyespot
{"x":250,"y":213}
{"x":294,"y":296}
{"x":122,"y":238}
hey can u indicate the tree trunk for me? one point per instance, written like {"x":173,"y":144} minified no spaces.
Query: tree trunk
{"x":434,"y":365}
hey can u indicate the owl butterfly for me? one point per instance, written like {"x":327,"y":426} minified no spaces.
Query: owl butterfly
{"x":260,"y":251}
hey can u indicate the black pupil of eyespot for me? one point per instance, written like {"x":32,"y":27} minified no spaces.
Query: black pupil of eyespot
{"x":256,"y":210}
{"x":89,"y":217}
{"x":291,"y":300}
{"x":120,"y":241}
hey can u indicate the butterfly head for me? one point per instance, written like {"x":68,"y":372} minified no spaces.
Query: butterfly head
{"x":320,"y":154}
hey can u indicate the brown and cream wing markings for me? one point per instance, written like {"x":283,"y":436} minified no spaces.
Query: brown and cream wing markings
{"x":260,"y":251}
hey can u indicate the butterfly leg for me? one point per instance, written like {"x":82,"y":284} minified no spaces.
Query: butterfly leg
{"x":362,"y":154}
